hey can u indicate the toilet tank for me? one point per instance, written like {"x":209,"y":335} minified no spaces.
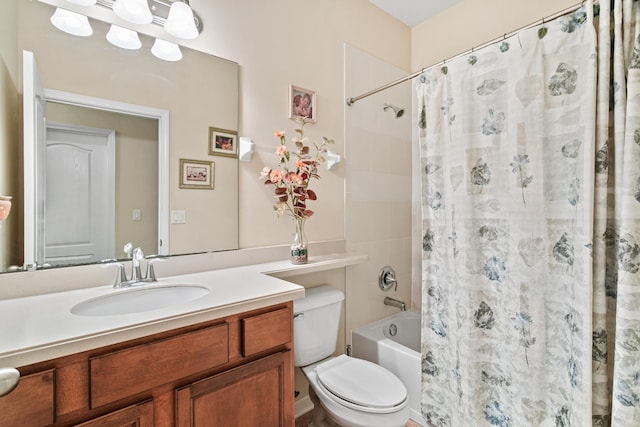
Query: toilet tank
{"x":315,"y":324}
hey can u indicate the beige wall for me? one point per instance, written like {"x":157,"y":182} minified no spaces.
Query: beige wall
{"x":283,"y":42}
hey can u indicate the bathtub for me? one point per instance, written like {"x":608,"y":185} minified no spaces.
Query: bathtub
{"x":394,"y":343}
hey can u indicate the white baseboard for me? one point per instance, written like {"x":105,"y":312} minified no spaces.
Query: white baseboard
{"x":303,"y":406}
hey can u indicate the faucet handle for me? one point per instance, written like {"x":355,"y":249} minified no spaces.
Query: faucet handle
{"x":122,"y":274}
{"x":387,"y":278}
{"x":151,"y":273}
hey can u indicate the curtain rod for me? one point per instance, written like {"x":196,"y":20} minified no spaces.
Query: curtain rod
{"x":351,"y":101}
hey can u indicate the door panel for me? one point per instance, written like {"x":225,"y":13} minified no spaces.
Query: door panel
{"x":80,"y":197}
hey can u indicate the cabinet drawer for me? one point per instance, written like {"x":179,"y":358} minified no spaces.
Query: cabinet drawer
{"x":31,"y":403}
{"x":264,"y":331}
{"x":133,"y":416}
{"x":135,"y":370}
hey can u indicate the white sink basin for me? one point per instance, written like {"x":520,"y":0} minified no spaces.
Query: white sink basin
{"x":139,"y":300}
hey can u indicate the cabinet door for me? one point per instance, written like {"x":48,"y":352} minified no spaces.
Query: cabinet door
{"x":132,"y":416}
{"x":252,"y":395}
{"x":31,"y":403}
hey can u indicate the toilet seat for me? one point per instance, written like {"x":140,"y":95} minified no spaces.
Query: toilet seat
{"x":361,"y":385}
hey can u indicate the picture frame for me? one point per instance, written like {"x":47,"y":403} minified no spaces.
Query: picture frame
{"x":223,"y":142}
{"x":197,"y":174}
{"x":302,"y":103}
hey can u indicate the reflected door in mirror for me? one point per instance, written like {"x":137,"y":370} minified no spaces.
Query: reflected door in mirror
{"x":80,"y":200}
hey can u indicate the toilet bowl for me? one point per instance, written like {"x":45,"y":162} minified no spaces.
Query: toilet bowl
{"x":348,"y":391}
{"x":356,"y":393}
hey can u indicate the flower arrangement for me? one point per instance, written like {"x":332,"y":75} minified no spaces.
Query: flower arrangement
{"x":291,"y":179}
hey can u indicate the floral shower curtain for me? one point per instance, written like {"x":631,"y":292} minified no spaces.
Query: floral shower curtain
{"x":530,"y":162}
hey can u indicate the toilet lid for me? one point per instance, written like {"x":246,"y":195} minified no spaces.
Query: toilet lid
{"x":361,"y":382}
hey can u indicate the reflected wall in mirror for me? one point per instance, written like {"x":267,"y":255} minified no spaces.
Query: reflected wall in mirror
{"x":199,"y":92}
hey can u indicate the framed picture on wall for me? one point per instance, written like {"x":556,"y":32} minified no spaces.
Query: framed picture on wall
{"x":223,"y":142}
{"x":196,"y":174}
{"x":302,"y":103}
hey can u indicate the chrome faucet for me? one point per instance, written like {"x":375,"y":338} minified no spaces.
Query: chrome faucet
{"x":395,"y":303}
{"x":136,"y":274}
{"x":137,"y":278}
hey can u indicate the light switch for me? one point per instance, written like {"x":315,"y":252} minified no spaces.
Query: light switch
{"x":178,"y":217}
{"x":137,"y":215}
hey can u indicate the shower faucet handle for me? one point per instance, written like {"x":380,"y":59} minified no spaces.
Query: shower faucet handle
{"x":387,"y":279}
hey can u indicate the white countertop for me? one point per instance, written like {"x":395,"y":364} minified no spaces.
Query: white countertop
{"x":39,"y":328}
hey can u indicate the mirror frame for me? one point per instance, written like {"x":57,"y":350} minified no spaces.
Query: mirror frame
{"x":52,"y":95}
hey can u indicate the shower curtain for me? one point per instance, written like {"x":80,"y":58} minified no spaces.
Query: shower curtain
{"x":530,"y":165}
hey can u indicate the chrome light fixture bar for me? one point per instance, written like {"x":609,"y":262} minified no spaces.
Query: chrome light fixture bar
{"x":160,"y":11}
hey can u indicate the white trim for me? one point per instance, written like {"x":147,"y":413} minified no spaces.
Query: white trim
{"x":163,"y":147}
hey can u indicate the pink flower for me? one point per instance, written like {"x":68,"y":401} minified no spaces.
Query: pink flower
{"x":276,"y":176}
{"x":295,"y":178}
{"x":292,"y":176}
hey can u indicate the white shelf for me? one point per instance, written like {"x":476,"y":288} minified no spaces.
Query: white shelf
{"x":316,"y":263}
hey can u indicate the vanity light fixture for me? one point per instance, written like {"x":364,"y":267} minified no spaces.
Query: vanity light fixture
{"x":123,"y":38}
{"x":71,"y":23}
{"x":165,"y":50}
{"x":181,"y":23}
{"x":176,"y":16}
{"x":134,"y":11}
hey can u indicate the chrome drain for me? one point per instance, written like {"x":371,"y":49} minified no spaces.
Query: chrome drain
{"x":393,"y":330}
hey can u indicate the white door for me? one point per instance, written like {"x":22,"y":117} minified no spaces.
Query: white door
{"x":80,"y":194}
{"x":34,"y":108}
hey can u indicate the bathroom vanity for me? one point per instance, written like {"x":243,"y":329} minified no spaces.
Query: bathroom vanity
{"x":224,"y":358}
{"x":236,"y":370}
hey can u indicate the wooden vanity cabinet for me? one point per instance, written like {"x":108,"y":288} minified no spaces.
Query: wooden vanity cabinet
{"x":232,"y":371}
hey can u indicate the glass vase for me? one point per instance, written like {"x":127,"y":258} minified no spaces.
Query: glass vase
{"x":299,"y":253}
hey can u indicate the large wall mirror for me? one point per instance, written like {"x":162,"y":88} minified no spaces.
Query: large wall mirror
{"x":198,"y":92}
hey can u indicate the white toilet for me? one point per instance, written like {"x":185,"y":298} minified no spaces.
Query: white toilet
{"x":348,"y":391}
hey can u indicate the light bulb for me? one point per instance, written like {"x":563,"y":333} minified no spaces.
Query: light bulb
{"x":134,"y":11}
{"x":71,"y":23}
{"x":180,"y":22}
{"x":123,"y":38}
{"x":166,"y":50}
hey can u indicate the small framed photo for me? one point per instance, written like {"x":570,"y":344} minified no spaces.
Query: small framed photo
{"x":223,"y":142}
{"x":196,"y":174}
{"x":302,"y":103}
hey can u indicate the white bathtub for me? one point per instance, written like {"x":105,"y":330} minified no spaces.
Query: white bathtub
{"x":399,"y":353}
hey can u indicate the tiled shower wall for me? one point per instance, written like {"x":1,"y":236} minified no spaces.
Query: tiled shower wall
{"x":378,"y":205}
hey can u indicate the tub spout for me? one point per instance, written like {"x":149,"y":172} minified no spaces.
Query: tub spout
{"x":395,"y":303}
